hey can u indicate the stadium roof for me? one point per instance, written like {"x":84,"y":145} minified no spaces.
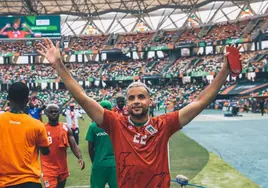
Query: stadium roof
{"x":80,"y":17}
{"x":96,"y":7}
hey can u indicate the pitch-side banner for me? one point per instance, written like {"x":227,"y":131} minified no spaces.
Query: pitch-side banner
{"x":29,"y":27}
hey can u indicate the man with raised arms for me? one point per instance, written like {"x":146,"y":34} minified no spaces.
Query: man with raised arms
{"x":140,"y":142}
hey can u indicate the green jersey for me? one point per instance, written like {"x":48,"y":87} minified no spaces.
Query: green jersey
{"x":104,"y":153}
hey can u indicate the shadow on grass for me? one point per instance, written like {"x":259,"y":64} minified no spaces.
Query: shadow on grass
{"x":187,"y":157}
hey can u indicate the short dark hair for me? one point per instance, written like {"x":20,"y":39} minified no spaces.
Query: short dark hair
{"x":120,"y":98}
{"x":18,"y":92}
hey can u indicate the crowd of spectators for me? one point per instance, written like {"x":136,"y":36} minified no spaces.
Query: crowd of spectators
{"x":158,"y":66}
{"x":254,"y":61}
{"x":3,"y":98}
{"x":256,"y":65}
{"x":165,"y":37}
{"x":180,"y":66}
{"x":82,"y":71}
{"x":135,"y":40}
{"x":208,"y":64}
{"x":96,"y":42}
{"x":31,"y":73}
{"x":59,"y":97}
{"x":189,"y":36}
{"x":210,"y":33}
{"x":177,"y":96}
{"x":123,"y":69}
{"x":167,"y":97}
{"x":163,"y":96}
{"x":227,"y":31}
{"x":20,"y":46}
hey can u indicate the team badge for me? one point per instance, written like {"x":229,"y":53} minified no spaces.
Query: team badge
{"x":151,"y":129}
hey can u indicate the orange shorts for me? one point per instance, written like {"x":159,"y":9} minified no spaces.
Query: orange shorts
{"x":52,"y":181}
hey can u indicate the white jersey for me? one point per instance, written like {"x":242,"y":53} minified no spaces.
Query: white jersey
{"x":72,"y":117}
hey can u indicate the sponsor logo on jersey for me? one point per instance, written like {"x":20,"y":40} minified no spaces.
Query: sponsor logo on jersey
{"x":14,"y":122}
{"x":102,"y":134}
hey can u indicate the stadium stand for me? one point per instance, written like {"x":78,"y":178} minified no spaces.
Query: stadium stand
{"x":59,"y":97}
{"x":96,"y":42}
{"x":3,"y":98}
{"x":135,"y":40}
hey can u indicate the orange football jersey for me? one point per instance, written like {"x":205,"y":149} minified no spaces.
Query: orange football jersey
{"x":141,"y":153}
{"x":55,"y":163}
{"x":20,"y":138}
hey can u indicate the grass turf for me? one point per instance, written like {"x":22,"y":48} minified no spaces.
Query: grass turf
{"x":186,"y":157}
{"x":218,"y":174}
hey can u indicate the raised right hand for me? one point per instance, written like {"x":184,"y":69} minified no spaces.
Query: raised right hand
{"x":50,"y":52}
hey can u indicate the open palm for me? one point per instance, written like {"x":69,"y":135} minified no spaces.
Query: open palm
{"x":50,"y":51}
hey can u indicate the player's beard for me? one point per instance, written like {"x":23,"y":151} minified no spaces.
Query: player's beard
{"x":143,"y":114}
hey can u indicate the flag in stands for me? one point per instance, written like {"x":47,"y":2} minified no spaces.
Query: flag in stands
{"x":90,"y":30}
{"x":141,"y":27}
{"x":246,"y":12}
{"x":193,"y":20}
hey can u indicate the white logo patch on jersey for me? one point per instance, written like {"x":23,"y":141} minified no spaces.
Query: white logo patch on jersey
{"x":150,"y":129}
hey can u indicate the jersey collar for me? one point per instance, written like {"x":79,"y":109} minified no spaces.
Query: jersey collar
{"x":139,"y":124}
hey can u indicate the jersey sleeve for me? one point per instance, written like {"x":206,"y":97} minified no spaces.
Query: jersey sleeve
{"x":110,"y":121}
{"x":42,"y":140}
{"x":171,"y":120}
{"x":90,"y":134}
